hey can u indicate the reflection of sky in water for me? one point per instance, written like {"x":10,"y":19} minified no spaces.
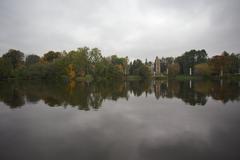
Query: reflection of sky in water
{"x":140,"y":128}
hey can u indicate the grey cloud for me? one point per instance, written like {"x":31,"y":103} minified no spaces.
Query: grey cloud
{"x":137,"y":28}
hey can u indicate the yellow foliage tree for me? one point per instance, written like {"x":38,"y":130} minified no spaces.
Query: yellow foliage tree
{"x":71,"y":71}
{"x":202,"y":69}
{"x":120,"y":68}
{"x":173,"y":69}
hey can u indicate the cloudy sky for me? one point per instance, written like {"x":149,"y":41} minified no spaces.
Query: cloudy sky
{"x":135,"y":28}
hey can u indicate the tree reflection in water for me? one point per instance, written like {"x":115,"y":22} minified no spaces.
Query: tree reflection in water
{"x":88,"y":96}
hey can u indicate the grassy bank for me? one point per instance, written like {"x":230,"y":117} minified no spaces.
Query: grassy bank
{"x":133,"y":78}
{"x":160,"y":77}
{"x":89,"y":78}
{"x":184,"y":77}
{"x":235,"y":77}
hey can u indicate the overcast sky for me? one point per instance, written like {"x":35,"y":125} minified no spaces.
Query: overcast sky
{"x":135,"y":28}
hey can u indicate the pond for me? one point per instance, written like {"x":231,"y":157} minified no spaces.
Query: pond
{"x":120,"y":120}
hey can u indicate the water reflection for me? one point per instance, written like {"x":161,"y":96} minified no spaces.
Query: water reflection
{"x":127,"y":126}
{"x":91,"y":96}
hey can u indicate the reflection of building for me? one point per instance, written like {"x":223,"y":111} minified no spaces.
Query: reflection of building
{"x":157,"y":89}
{"x":160,"y":89}
{"x":157,"y":66}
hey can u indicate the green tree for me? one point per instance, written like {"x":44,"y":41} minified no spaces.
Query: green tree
{"x":235,"y":63}
{"x":32,"y":59}
{"x":139,"y":69}
{"x":101,"y":69}
{"x":191,"y":58}
{"x":95,"y":56}
{"x":5,"y":69}
{"x":116,"y":60}
{"x":15,"y":57}
{"x":165,"y":62}
{"x":51,"y":56}
{"x":79,"y":58}
{"x":144,"y":72}
{"x":114,"y":72}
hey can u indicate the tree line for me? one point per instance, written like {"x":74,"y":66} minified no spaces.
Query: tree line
{"x":89,"y":64}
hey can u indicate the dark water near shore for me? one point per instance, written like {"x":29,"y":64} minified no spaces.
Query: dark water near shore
{"x":120,"y":120}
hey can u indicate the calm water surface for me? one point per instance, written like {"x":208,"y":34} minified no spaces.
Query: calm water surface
{"x":120,"y":121}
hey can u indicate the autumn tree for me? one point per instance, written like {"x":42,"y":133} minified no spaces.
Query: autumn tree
{"x":173,"y":69}
{"x":71,"y":71}
{"x":224,"y":63}
{"x":202,"y":69}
